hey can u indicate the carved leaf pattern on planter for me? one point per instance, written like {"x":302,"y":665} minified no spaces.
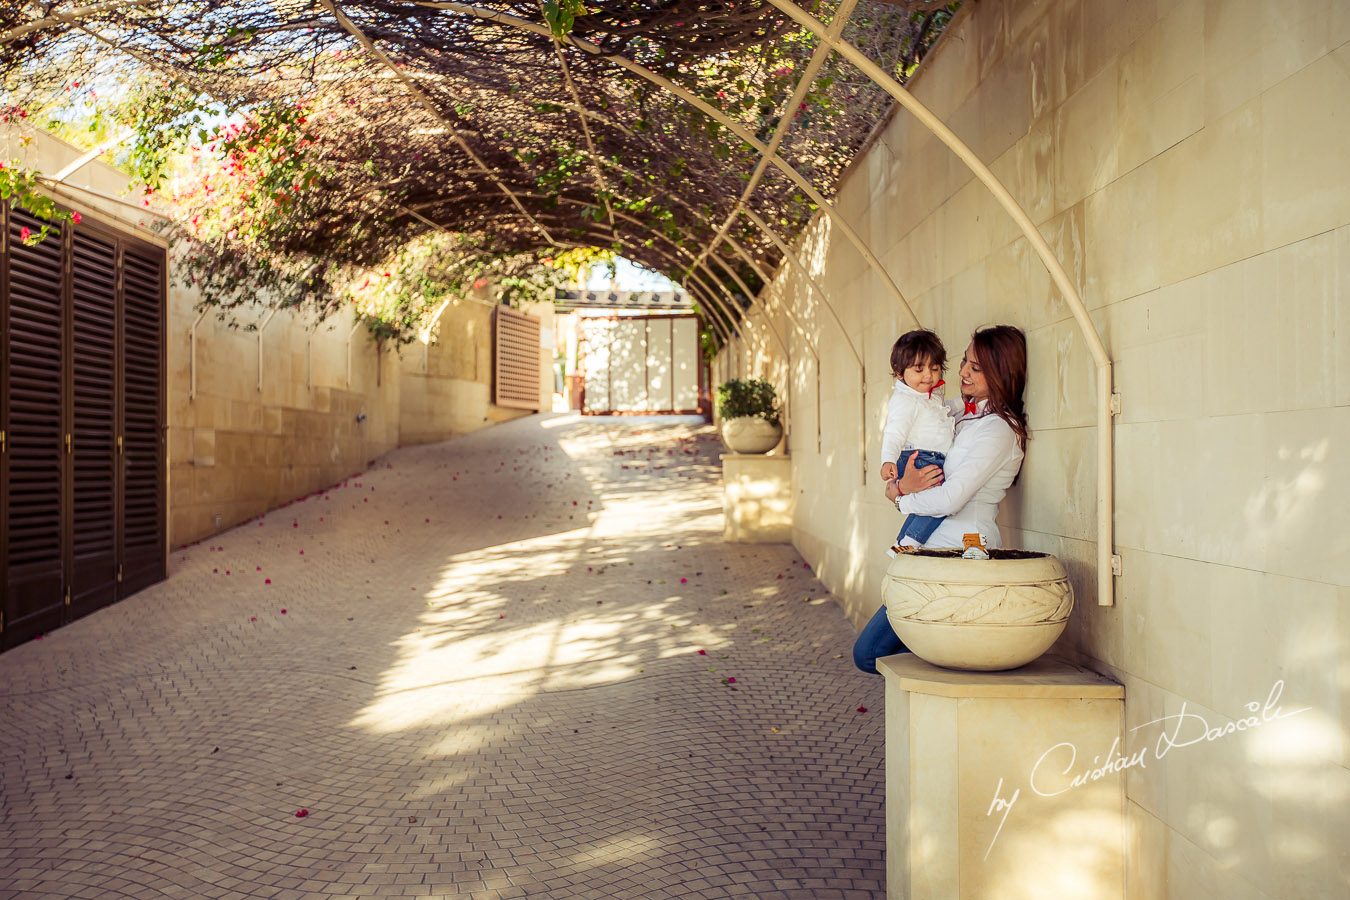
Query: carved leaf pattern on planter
{"x":1023,"y":604}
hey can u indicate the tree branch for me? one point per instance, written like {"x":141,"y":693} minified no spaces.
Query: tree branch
{"x":84,"y":12}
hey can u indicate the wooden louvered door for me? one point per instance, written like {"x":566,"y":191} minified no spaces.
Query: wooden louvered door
{"x":34,"y":451}
{"x":93,"y":349}
{"x":82,"y":474}
{"x":142,"y":365}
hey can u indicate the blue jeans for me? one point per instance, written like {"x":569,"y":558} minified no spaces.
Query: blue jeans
{"x":920,"y":528}
{"x":877,"y":639}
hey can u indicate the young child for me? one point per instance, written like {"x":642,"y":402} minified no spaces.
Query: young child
{"x":918,"y":421}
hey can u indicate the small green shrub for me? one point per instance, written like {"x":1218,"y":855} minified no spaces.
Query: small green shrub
{"x":738,"y":398}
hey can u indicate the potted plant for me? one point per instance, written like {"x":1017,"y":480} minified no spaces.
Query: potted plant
{"x":749,"y":412}
{"x":980,"y":615}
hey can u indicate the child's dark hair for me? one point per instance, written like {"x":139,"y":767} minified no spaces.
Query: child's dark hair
{"x":914,"y":347}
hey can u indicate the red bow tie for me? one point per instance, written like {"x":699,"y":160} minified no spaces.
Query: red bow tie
{"x":971,"y":407}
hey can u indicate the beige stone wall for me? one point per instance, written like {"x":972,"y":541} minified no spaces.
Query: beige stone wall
{"x":446,"y":384}
{"x":1188,"y":162}
{"x":241,"y":444}
{"x":237,"y":450}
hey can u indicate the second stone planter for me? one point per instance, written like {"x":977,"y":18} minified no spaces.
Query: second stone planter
{"x":979,"y":615}
{"x":750,"y":434}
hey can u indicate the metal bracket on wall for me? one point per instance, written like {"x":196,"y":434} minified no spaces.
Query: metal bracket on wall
{"x":309,"y":357}
{"x":192,"y":356}
{"x":261,"y":329}
{"x":350,"y":334}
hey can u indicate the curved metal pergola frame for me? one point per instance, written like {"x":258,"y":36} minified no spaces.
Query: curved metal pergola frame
{"x":1108,"y":402}
{"x":830,"y":40}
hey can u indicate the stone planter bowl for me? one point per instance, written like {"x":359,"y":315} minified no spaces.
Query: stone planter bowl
{"x":978,"y":615}
{"x":750,"y":434}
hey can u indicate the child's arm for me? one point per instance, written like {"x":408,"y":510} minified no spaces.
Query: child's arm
{"x":964,"y":474}
{"x":901,"y":412}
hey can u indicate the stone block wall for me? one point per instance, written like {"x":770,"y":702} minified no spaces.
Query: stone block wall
{"x":1187,"y":161}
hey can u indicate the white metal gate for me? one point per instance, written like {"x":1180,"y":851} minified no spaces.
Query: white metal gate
{"x":641,"y":364}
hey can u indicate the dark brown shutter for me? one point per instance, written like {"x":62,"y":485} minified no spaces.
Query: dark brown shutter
{"x":93,"y":573}
{"x":518,"y":370}
{"x":142,"y":417}
{"x":34,"y":440}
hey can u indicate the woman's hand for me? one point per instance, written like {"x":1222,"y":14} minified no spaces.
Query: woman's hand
{"x":913,"y":480}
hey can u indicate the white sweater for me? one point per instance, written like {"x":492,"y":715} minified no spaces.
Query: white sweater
{"x":914,"y":420}
{"x":981,"y":465}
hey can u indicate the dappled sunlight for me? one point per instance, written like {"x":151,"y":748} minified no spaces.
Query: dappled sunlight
{"x":1062,"y":853}
{"x":559,"y":420}
{"x":490,"y":662}
{"x":1309,"y":737}
{"x":1289,"y":498}
{"x":619,"y":850}
{"x":502,"y":612}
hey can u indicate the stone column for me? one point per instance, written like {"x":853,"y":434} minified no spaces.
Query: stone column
{"x":757,"y":498}
{"x":1003,"y":785}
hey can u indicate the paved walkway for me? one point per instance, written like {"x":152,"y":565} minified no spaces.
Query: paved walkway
{"x":518,"y":664}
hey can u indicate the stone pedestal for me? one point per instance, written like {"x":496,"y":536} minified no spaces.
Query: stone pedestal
{"x":757,"y":498}
{"x":1003,"y":785}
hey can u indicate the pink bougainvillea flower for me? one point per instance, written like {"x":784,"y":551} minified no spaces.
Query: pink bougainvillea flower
{"x":862,"y":709}
{"x":259,"y":568}
{"x":684,"y":580}
{"x":267,"y":581}
{"x":283,"y":612}
{"x":24,"y":233}
{"x":703,"y":653}
{"x":301,"y":813}
{"x":253,"y":618}
{"x":75,"y":217}
{"x":302,"y":553}
{"x":731,"y":680}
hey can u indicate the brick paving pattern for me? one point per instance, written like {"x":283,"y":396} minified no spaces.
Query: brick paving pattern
{"x":477,"y":667}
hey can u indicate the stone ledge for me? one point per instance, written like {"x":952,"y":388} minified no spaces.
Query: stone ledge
{"x":1048,"y":677}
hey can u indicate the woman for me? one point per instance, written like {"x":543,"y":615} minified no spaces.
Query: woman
{"x":991,"y":437}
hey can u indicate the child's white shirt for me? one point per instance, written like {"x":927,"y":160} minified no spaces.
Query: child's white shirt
{"x":916,"y":420}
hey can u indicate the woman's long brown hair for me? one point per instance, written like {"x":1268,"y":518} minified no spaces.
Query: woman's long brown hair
{"x":1001,"y":353}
